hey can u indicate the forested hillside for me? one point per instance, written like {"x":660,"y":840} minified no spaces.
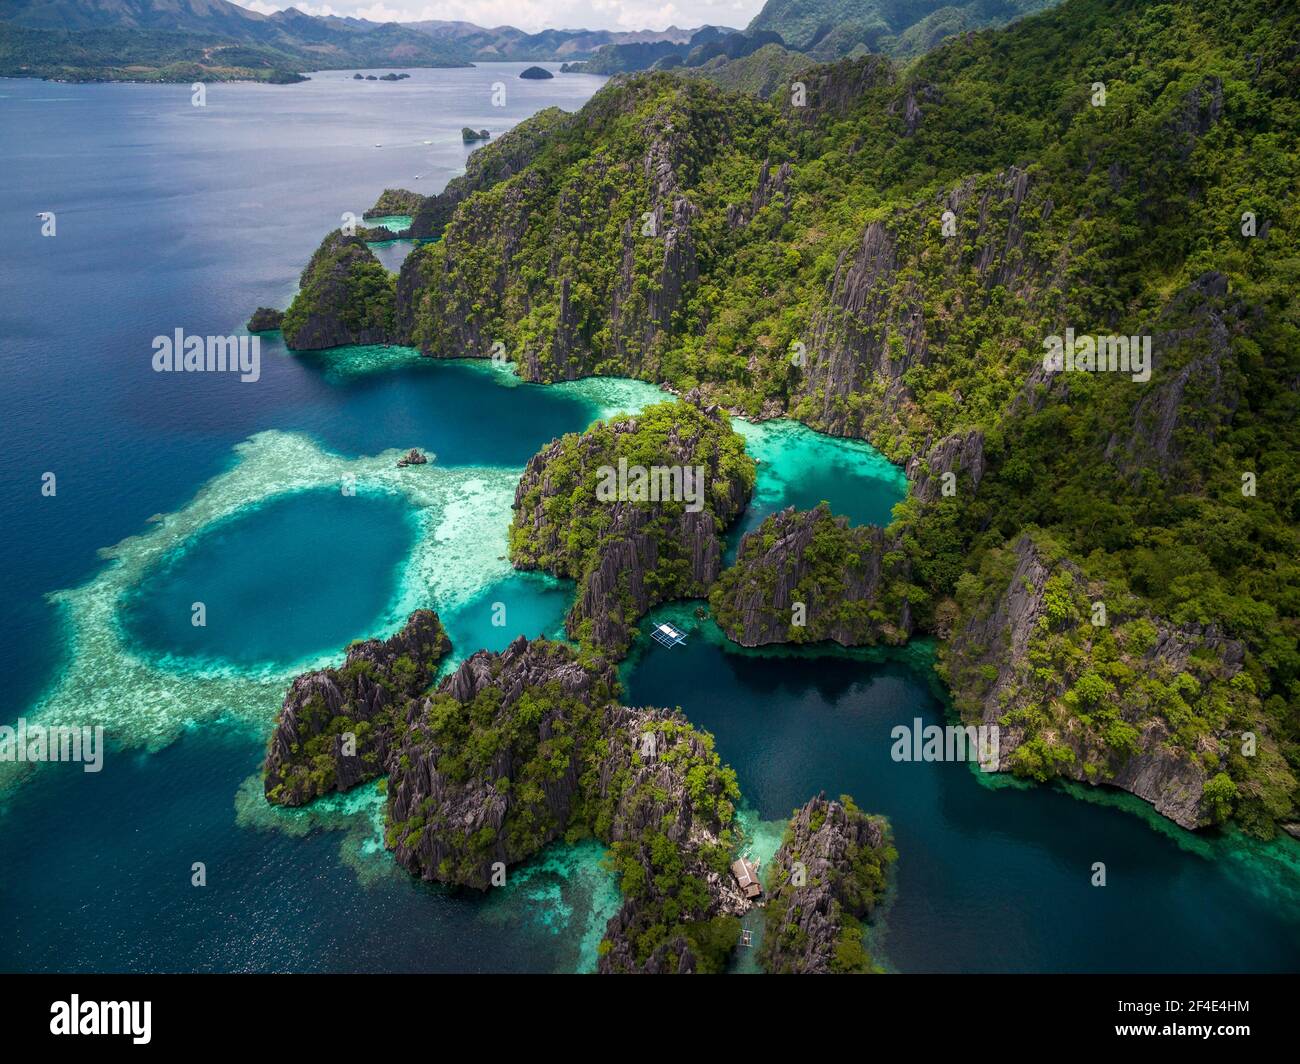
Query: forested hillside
{"x":884,"y":255}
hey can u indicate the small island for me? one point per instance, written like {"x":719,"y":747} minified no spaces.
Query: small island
{"x":469,"y":136}
{"x":394,"y":201}
{"x":265,"y":319}
{"x":536,"y":73}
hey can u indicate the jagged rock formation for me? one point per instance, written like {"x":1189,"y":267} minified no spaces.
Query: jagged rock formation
{"x":487,"y":769}
{"x":1193,"y":397}
{"x":518,"y":749}
{"x":834,"y":91}
{"x":336,"y":725}
{"x":345,"y":297}
{"x":671,"y":843}
{"x":770,"y":185}
{"x":265,"y":319}
{"x":395,"y":201}
{"x":804,"y":577}
{"x":516,"y":260}
{"x":881,"y":324}
{"x":959,"y":454}
{"x":653,"y":537}
{"x":1135,"y":702}
{"x":826,"y":879}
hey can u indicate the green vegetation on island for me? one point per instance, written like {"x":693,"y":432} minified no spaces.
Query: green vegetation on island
{"x":632,"y":510}
{"x":824,"y":884}
{"x":891,"y":260}
{"x":344,"y":297}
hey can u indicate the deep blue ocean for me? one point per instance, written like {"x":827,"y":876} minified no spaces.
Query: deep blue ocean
{"x":174,"y":489}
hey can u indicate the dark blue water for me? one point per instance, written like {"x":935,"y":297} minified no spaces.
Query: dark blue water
{"x":170,"y":217}
{"x":988,"y":879}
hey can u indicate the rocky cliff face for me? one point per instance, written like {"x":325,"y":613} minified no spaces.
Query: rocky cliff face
{"x":453,"y":296}
{"x":827,"y":877}
{"x":628,"y":554}
{"x":1134,"y":720}
{"x":835,"y":90}
{"x":672,"y":843}
{"x":806,"y":576}
{"x":336,"y":725}
{"x":1196,"y":386}
{"x":961,"y":454}
{"x":486,"y":771}
{"x":771,"y":183}
{"x":904,"y":292}
{"x":584,"y":261}
{"x":518,"y":749}
{"x":345,"y":297}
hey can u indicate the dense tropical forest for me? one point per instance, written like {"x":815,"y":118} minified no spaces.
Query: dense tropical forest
{"x":885,"y":253}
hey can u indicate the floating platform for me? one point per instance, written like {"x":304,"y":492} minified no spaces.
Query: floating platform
{"x":666,"y":635}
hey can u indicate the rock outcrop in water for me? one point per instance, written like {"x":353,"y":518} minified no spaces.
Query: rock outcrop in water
{"x":345,"y":297}
{"x":666,"y":806}
{"x":633,"y":510}
{"x":395,"y":201}
{"x":336,"y":725}
{"x":521,"y":748}
{"x":825,"y":881}
{"x":1134,"y":702}
{"x":807,"y":576}
{"x":265,"y":319}
{"x":411,"y":458}
{"x":536,"y":73}
{"x":487,"y":769}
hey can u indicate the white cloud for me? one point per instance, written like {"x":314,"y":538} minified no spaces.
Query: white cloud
{"x":534,"y":15}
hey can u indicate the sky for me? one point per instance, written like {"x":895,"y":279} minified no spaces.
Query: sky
{"x":534,"y":15}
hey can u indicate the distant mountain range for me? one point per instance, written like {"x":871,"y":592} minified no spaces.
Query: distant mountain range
{"x":788,"y":35}
{"x":830,"y":29}
{"x":182,"y":40}
{"x":175,"y":40}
